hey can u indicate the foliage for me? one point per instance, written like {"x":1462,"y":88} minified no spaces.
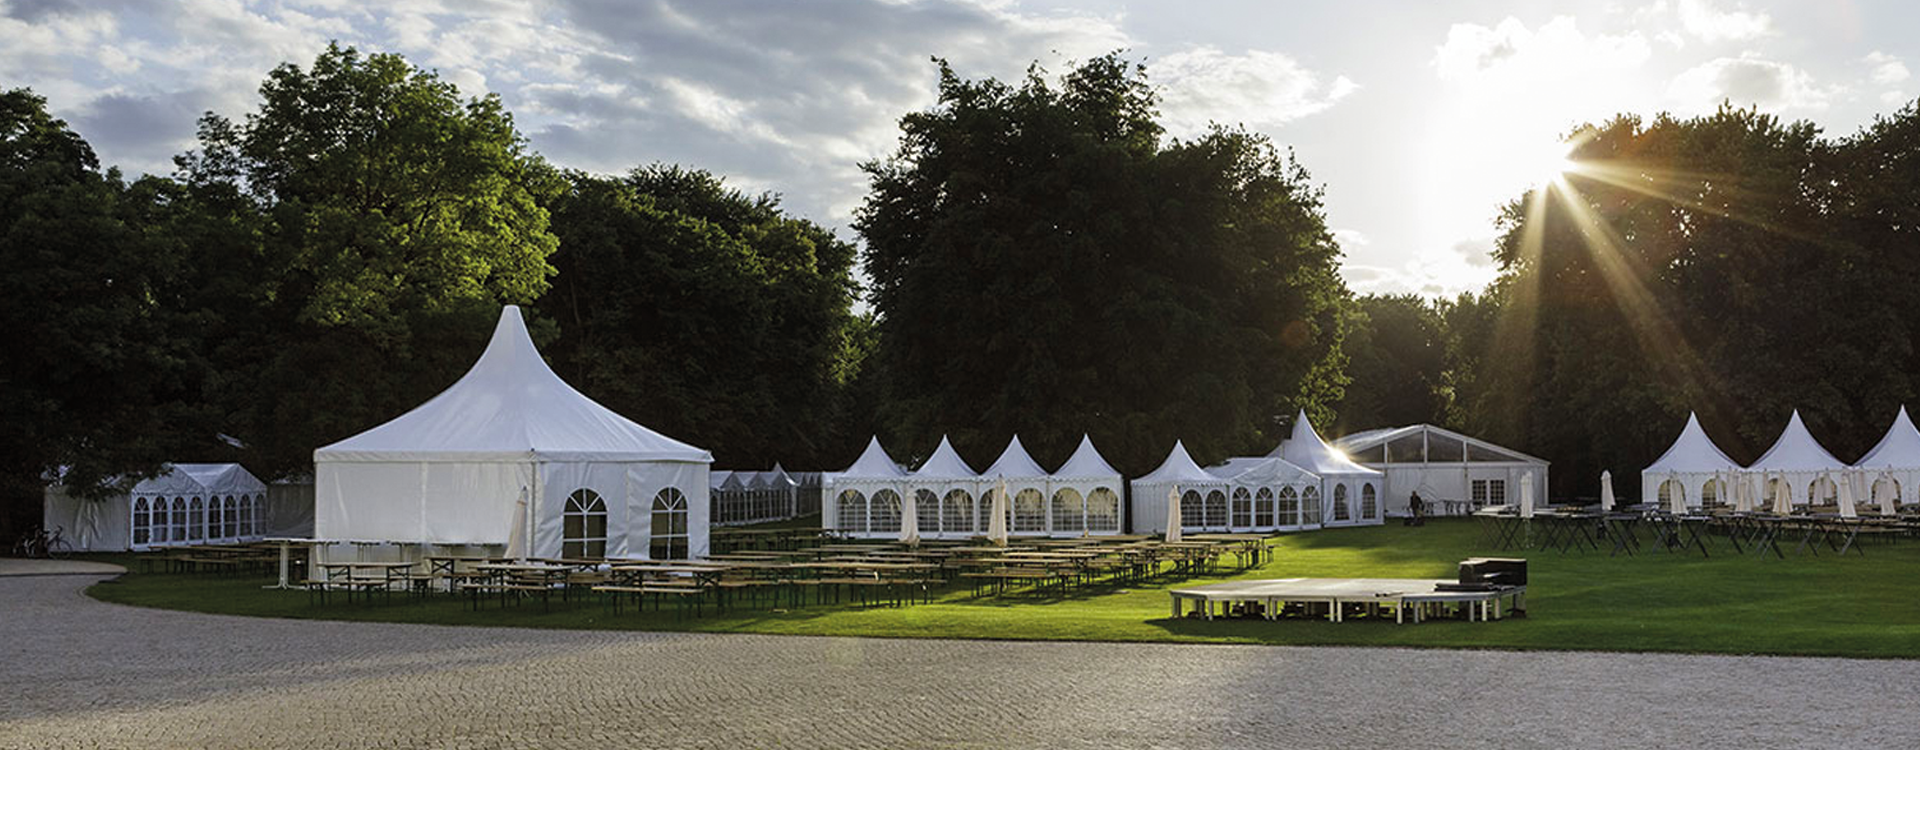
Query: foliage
{"x":1396,"y":363}
{"x":361,"y":230}
{"x":704,"y":314}
{"x":1045,"y":263}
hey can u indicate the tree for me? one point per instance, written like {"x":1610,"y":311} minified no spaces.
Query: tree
{"x":100,"y":378}
{"x":1045,"y":263}
{"x":1396,"y":361}
{"x":365,"y":225}
{"x":705,"y":314}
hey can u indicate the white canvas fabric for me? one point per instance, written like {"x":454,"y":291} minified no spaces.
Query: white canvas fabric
{"x":1087,"y":475}
{"x":1606,"y":490}
{"x":846,"y":495}
{"x":1256,"y":485}
{"x":1339,"y":476}
{"x":1693,"y":459}
{"x":1441,"y":466}
{"x":450,"y":470}
{"x":1178,"y":470}
{"x":1896,"y":458}
{"x":1799,"y":458}
{"x":109,"y":524}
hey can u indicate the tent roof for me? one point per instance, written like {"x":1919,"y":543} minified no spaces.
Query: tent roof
{"x":1014,"y":463}
{"x":1085,"y":463}
{"x":1306,"y":449}
{"x":1900,"y":448}
{"x":1261,"y":470}
{"x":510,"y":406}
{"x":191,"y":478}
{"x":945,"y":463}
{"x":1353,"y":443}
{"x":1692,"y":452}
{"x":725,"y":480}
{"x":1179,"y":467}
{"x":1796,"y":449}
{"x":874,"y":463}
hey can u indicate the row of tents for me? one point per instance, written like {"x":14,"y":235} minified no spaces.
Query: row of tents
{"x":744,"y":497}
{"x":1796,"y":470}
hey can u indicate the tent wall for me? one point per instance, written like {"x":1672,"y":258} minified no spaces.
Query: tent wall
{"x":1446,"y":488}
{"x":1086,"y":488}
{"x":417,"y":501}
{"x":105,"y":525}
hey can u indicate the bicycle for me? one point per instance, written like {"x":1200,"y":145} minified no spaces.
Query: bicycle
{"x":39,"y":543}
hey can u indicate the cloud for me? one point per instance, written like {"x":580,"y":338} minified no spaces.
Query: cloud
{"x":1464,"y":266}
{"x":1711,"y":25}
{"x":1258,"y":89}
{"x":1747,"y":80}
{"x":1510,"y":50}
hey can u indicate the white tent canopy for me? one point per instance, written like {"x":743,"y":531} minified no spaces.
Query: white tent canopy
{"x":451,"y":470}
{"x":1694,"y":465}
{"x":1351,"y":491}
{"x":1799,"y":459}
{"x":1028,"y":488}
{"x":188,"y":504}
{"x":1086,"y":478}
{"x":1892,"y":467}
{"x":1203,"y":496}
{"x":845,"y":495}
{"x":952,"y":502}
{"x":1454,"y":474}
{"x":1265,"y":493}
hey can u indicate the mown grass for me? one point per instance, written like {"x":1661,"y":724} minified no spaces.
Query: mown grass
{"x":1855,"y":606}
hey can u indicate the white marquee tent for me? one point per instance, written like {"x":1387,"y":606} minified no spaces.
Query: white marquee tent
{"x":1351,"y":491}
{"x":845,"y":495}
{"x":1028,"y":490}
{"x":1265,"y":494}
{"x":1806,"y":468}
{"x":1892,"y":467}
{"x":1453,"y":473}
{"x":189,"y":504}
{"x":452,"y":470}
{"x":1693,"y":467}
{"x":946,"y":490}
{"x":1203,"y":496}
{"x":1086,"y":479}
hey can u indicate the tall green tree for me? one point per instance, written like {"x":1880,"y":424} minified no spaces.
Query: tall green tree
{"x":1045,"y":262}
{"x":100,"y":377}
{"x":364,"y":225}
{"x":706,"y":314}
{"x":1396,"y":364}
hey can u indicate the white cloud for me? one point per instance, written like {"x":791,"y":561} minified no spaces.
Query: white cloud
{"x":1885,"y":69}
{"x":1702,"y":20}
{"x":1465,"y":265}
{"x":1747,"y":80}
{"x":1511,"y":51}
{"x":1259,"y":89}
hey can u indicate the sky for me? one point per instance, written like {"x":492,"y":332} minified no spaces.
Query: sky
{"x":1419,"y":119}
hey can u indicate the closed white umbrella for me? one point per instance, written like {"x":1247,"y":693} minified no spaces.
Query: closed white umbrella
{"x":1606,"y":491}
{"x":1886,"y":502}
{"x":1678,"y":504}
{"x":1782,"y":496}
{"x":1756,"y":490}
{"x":910,"y":520}
{"x":1173,"y":514}
{"x":997,"y":521}
{"x":517,"y":535}
{"x":1846,"y":497}
{"x":1526,"y":495}
{"x":1742,"y":494}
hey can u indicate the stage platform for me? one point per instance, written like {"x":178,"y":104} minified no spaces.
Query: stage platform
{"x":1407,"y":598}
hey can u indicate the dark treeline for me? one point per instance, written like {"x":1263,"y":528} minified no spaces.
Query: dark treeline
{"x":1044,"y":261}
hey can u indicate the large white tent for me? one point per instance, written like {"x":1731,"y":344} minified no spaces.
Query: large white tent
{"x":845,"y":496}
{"x":188,"y":504}
{"x":453,"y":469}
{"x":1265,"y":493}
{"x":1086,"y":494}
{"x":1203,"y":496}
{"x":1798,"y":461}
{"x":1027,"y":489}
{"x":1892,"y":467}
{"x":1351,"y":491}
{"x":945,"y":490}
{"x":1453,"y":473}
{"x":1694,"y":469}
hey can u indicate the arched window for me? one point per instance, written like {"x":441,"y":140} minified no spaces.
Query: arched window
{"x":669,"y":539}
{"x":1216,"y":509}
{"x":1670,"y":492}
{"x":1029,"y":511}
{"x":1068,"y":512}
{"x":883,"y":513}
{"x":926,"y":511}
{"x":583,"y":531}
{"x":142,"y":522}
{"x":1340,"y":503}
{"x":956,"y":512}
{"x":1289,"y":507}
{"x":232,"y":510}
{"x":850,"y":512}
{"x":216,"y":518}
{"x":1263,"y":508}
{"x":1310,"y":509}
{"x":246,"y":516}
{"x":1193,"y":510}
{"x":1103,"y":510}
{"x":1710,"y":493}
{"x":179,"y":519}
{"x":1368,"y":502}
{"x":160,"y":512}
{"x":1822,"y":491}
{"x":1242,"y":508}
{"x":196,"y":520}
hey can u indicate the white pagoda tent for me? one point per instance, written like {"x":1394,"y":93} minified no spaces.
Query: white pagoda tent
{"x":456,"y":469}
{"x":1892,"y":467}
{"x":1086,"y":494}
{"x":1351,"y":492}
{"x":1798,"y":461}
{"x":1203,"y":496}
{"x":845,"y":496}
{"x":1265,"y":493}
{"x":1694,"y":469}
{"x":1027,"y":490}
{"x":188,"y":504}
{"x":945,"y":489}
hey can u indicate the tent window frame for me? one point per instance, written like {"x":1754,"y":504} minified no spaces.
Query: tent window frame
{"x":850,"y":511}
{"x":669,"y":537}
{"x":956,"y":512}
{"x":1103,"y":510}
{"x":1069,"y":511}
{"x":583,"y":525}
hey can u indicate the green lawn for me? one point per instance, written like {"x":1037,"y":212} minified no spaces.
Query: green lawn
{"x":1807,"y":605}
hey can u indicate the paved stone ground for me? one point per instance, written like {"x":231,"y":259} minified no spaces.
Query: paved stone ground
{"x":75,"y":673}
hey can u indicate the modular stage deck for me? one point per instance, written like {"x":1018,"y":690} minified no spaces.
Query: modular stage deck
{"x":1415,"y":598}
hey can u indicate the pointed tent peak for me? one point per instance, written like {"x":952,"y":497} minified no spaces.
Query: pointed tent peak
{"x":945,"y":463}
{"x":1085,"y":463}
{"x":1015,"y":463}
{"x":1306,"y":449}
{"x":1178,"y":467}
{"x":874,"y":463}
{"x":1797,"y":450}
{"x":1693,"y":452}
{"x":1899,"y":448}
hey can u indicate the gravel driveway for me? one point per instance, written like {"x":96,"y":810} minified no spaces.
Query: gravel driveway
{"x":75,"y":673}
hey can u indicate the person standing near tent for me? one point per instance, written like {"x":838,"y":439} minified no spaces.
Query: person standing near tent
{"x":1414,"y":516}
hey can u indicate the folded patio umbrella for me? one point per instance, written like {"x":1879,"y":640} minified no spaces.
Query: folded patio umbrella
{"x":1173,"y":514}
{"x":1846,"y":497}
{"x":910,"y":520}
{"x":1606,"y":491}
{"x":997,"y":521}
